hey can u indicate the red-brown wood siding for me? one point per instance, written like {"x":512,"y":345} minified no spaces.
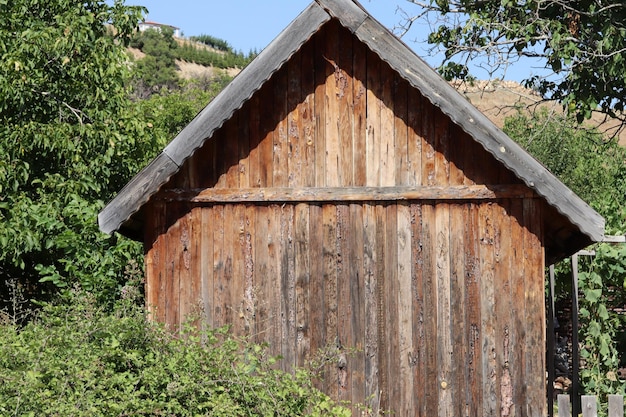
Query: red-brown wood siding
{"x":433,"y":307}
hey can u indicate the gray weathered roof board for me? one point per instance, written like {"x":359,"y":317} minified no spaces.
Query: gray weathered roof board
{"x":118,"y":214}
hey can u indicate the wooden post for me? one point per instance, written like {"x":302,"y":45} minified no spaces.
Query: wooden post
{"x":550,"y":336}
{"x":589,"y":405}
{"x":616,"y":406}
{"x":564,"y":405}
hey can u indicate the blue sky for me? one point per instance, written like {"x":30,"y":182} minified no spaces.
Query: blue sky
{"x":252,"y":24}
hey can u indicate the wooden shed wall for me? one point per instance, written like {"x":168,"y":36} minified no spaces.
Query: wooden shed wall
{"x":436,"y":306}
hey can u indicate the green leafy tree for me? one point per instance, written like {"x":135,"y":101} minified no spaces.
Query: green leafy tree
{"x":68,"y":141}
{"x":158,"y":68}
{"x":582,"y":45}
{"x":582,"y":158}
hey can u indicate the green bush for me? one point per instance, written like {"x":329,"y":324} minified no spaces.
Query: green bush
{"x":75,"y":359}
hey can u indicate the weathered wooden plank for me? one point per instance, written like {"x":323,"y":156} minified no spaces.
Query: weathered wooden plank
{"x":535,"y":308}
{"x":345,"y":102}
{"x":155,"y":249}
{"x":219,"y":299}
{"x":287,"y":286}
{"x":232,"y":151}
{"x":280,"y":144}
{"x":381,"y":265}
{"x":357,"y":302}
{"x":417,"y":356}
{"x":518,"y":286}
{"x":589,"y":405}
{"x":414,"y":139}
{"x":206,"y":265}
{"x":322,"y":72}
{"x":195,"y":273}
{"x":250,"y":288}
{"x":183,"y":300}
{"x":370,"y":261}
{"x":273,"y":281}
{"x":254,"y":128}
{"x":339,"y":194}
{"x":487,"y":232}
{"x":262,"y":277}
{"x":334,"y":79}
{"x":316,"y":284}
{"x":457,"y":151}
{"x":390,"y":304}
{"x":403,"y":293}
{"x":401,"y":146}
{"x":444,"y":309}
{"x":473,"y":330}
{"x":295,"y":145}
{"x":329,"y":241}
{"x":302,"y":258}
{"x":565,"y":408}
{"x":308,"y":131}
{"x":359,"y":88}
{"x":373,"y":114}
{"x":266,"y":146}
{"x":616,"y":406}
{"x":504,"y":307}
{"x":243,"y":140}
{"x":227,"y":279}
{"x":173,"y":267}
{"x":430,"y":401}
{"x":428,"y":144}
{"x":345,"y":339}
{"x":387,"y":137}
{"x":458,"y":314}
{"x":237,"y":231}
{"x":442,"y":147}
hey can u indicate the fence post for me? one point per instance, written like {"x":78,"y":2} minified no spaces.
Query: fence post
{"x":589,"y":405}
{"x":564,"y":405}
{"x":616,"y":406}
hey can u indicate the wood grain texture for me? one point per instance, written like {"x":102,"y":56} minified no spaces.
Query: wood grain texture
{"x":339,"y":194}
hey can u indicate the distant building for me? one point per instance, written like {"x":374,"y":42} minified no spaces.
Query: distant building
{"x":145,"y":25}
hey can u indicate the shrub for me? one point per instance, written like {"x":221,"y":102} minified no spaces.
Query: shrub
{"x":76,"y":359}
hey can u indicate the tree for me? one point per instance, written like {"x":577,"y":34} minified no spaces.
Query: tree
{"x":581,"y":43}
{"x":158,"y":68}
{"x":590,"y":166}
{"x":68,"y":141}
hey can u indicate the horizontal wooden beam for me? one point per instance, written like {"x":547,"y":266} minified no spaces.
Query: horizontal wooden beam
{"x":338,"y":194}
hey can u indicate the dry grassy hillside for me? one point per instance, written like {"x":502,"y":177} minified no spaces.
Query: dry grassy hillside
{"x":500,"y":99}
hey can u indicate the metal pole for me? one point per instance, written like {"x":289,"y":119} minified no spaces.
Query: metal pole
{"x":575,"y":358}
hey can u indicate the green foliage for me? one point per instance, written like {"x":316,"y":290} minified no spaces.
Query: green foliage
{"x":602,"y":281}
{"x":592,"y":167}
{"x":158,"y":68}
{"x":72,"y":138}
{"x":76,"y":359}
{"x":193,"y":53}
{"x":68,"y":141}
{"x":213,"y":42}
{"x":581,"y":42}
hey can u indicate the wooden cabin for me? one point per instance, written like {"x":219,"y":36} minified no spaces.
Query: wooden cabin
{"x":339,"y":193}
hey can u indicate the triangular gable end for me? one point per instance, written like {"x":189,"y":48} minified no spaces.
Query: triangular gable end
{"x":120,"y":214}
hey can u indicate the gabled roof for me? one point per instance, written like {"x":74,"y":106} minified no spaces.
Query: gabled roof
{"x":118,"y":214}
